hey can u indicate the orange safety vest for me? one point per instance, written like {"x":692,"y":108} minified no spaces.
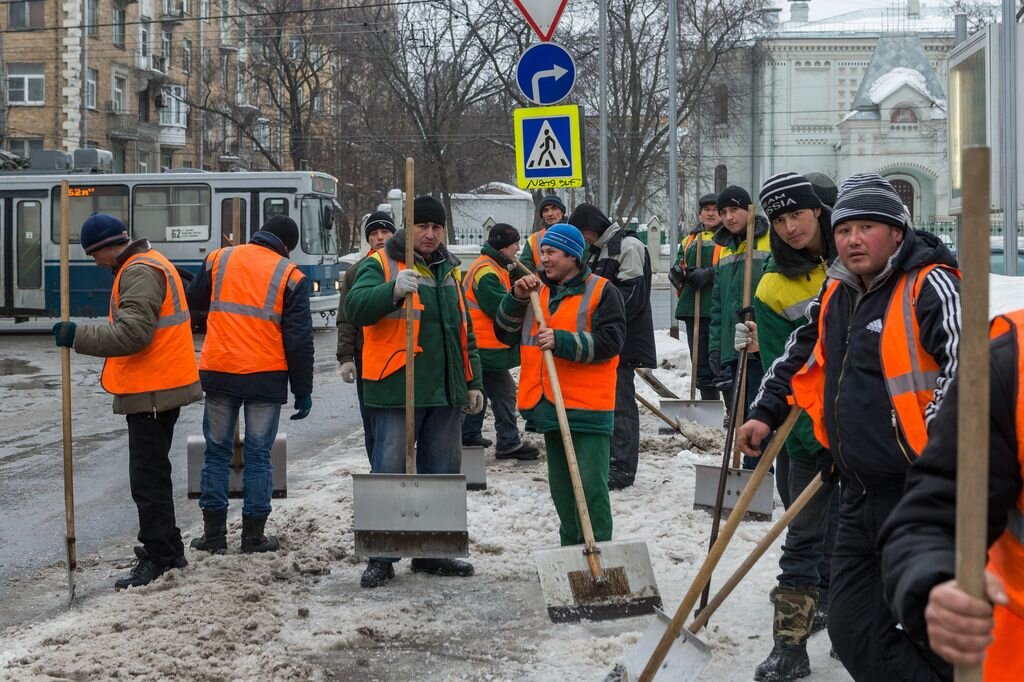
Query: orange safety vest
{"x":384,"y":340}
{"x":1004,"y":659}
{"x":691,"y":239}
{"x":585,"y":385}
{"x":243,"y":330}
{"x":910,"y":372}
{"x":169,"y":361}
{"x":533,"y":244}
{"x":483,"y":325}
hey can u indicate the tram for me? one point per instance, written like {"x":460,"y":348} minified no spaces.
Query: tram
{"x":184,"y":215}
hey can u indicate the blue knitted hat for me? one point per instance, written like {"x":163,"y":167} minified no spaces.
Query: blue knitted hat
{"x":100,"y":230}
{"x":567,"y":238}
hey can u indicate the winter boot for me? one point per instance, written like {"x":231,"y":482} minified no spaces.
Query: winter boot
{"x":820,"y":621}
{"x":253,"y":539}
{"x":377,"y":573}
{"x":445,"y":567}
{"x":215,"y":532}
{"x":146,"y":570}
{"x":794,"y":610}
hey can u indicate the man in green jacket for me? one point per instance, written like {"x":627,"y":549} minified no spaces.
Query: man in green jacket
{"x":551,"y":211}
{"x":585,"y":340}
{"x":447,"y":369}
{"x":485,"y":284}
{"x":802,"y":249}
{"x":688,"y":279}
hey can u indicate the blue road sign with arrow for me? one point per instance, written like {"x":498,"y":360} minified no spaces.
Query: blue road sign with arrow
{"x":545,"y":73}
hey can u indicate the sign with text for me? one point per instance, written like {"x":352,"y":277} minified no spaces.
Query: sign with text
{"x":549,"y":147}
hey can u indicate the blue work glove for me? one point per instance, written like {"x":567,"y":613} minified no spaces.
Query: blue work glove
{"x":303,"y":404}
{"x":64,"y":334}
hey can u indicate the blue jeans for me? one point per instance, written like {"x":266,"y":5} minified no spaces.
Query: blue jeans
{"x":219,"y":420}
{"x":500,"y":392}
{"x":807,"y":551}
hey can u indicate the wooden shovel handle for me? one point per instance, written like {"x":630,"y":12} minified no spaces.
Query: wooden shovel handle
{"x":704,"y":574}
{"x":748,"y":257}
{"x":410,"y":336}
{"x":592,"y":552}
{"x":65,"y":386}
{"x":726,"y":589}
{"x":695,"y":350}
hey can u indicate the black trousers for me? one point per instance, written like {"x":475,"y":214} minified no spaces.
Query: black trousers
{"x":149,"y":472}
{"x":626,"y":436}
{"x":863,"y":631}
{"x":704,"y":374}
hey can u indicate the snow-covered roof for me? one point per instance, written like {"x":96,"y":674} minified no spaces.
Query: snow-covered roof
{"x":500,"y":188}
{"x":896,"y":79}
{"x":873,"y":20}
{"x":898,"y":59}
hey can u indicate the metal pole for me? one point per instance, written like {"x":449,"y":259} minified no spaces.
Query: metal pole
{"x":602,"y":105}
{"x":673,"y":154}
{"x":1009,"y":155}
{"x":84,"y":142}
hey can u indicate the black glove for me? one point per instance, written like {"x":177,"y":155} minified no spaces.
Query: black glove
{"x":64,"y":334}
{"x":700,"y":278}
{"x":677,"y":276}
{"x":828,"y":468}
{"x":715,"y":362}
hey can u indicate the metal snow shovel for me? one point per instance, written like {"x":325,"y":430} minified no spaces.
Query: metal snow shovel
{"x":596,"y":582}
{"x":65,"y":394}
{"x":703,"y":412}
{"x":694,"y":441}
{"x":410,"y":514}
{"x":688,"y":655}
{"x":671,"y":633}
{"x":718,"y":487}
{"x":972,"y":462}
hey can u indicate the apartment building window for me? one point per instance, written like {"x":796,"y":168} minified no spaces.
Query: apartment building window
{"x":25,"y":84}
{"x":204,"y":9}
{"x":225,"y":25}
{"x":25,"y":146}
{"x":92,"y":77}
{"x":26,"y":14}
{"x":224,"y":71}
{"x":117,"y":27}
{"x":144,"y":38}
{"x":186,"y":55}
{"x":261,"y":135}
{"x":143,"y":162}
{"x":175,"y":111}
{"x":165,"y":47}
{"x":92,"y":19}
{"x":120,"y":88}
{"x":295,"y":48}
{"x":144,"y":106}
{"x":318,"y":103}
{"x":186,"y":7}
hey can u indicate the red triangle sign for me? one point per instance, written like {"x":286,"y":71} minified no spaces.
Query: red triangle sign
{"x":542,"y":15}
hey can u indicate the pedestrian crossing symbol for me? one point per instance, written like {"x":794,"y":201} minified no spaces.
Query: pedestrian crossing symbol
{"x":549,"y":150}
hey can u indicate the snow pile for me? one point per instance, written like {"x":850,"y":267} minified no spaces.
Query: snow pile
{"x":894,"y":80}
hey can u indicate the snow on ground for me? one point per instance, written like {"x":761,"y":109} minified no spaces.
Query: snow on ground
{"x":300,"y":614}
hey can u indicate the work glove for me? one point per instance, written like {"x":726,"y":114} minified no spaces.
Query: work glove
{"x":476,"y":402}
{"x":828,"y":468}
{"x":303,"y":404}
{"x":64,"y":334}
{"x":715,"y":362}
{"x":700,"y":278}
{"x":348,"y":372}
{"x":406,"y":282}
{"x":677,"y":276}
{"x":746,"y":337}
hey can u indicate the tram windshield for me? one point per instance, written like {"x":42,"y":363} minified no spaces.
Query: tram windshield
{"x":318,"y":226}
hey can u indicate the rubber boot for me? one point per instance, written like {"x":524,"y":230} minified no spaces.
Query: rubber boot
{"x":253,"y":539}
{"x":794,"y":612}
{"x":820,"y":621}
{"x":215,"y":532}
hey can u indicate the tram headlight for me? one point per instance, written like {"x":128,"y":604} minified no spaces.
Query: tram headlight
{"x":316,"y":286}
{"x":337,"y":285}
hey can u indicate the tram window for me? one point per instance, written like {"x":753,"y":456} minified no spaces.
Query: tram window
{"x":30,"y":245}
{"x":317,"y":231}
{"x":273,"y":207}
{"x":84,"y":201}
{"x":172,"y":213}
{"x":226,"y":226}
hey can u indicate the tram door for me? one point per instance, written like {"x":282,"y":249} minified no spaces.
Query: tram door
{"x":227,"y":217}
{"x":21,"y":256}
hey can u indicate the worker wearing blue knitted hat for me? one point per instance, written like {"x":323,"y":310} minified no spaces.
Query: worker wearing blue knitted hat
{"x":585,"y":329}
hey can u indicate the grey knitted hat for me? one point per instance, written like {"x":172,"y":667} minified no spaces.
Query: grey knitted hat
{"x":868,"y":196}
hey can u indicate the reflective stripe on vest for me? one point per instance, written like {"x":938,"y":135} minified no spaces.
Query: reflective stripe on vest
{"x":586,"y":385}
{"x":247,"y":303}
{"x":483,"y":324}
{"x":1006,"y":555}
{"x":169,"y":361}
{"x":383,"y":350}
{"x":910,"y":372}
{"x":691,"y":238}
{"x":533,"y":244}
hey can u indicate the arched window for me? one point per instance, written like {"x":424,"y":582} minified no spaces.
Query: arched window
{"x":903,"y":116}
{"x":721,"y":112}
{"x":721,"y":178}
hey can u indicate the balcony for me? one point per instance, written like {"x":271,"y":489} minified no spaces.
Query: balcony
{"x":172,"y":135}
{"x":122,"y":126}
{"x":231,"y":151}
{"x":172,"y":12}
{"x":228,"y":41}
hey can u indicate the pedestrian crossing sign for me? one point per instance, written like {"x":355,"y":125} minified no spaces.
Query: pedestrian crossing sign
{"x":549,"y":147}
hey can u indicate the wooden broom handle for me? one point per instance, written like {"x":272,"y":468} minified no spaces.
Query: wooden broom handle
{"x":410,"y":336}
{"x":65,"y":385}
{"x":695,"y":351}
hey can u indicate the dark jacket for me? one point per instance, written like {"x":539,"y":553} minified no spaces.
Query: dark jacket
{"x":350,"y":336}
{"x":141,"y":295}
{"x":727,"y":292}
{"x":706,"y":271}
{"x":869,"y":456}
{"x":623,"y":259}
{"x":296,"y":332}
{"x":918,"y":541}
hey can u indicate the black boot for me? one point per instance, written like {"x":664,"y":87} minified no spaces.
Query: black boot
{"x":146,"y":570}
{"x":377,"y":573}
{"x":215,"y":532}
{"x":785,"y":662}
{"x":445,"y":567}
{"x":820,"y":621}
{"x":524,"y":452}
{"x":253,"y":539}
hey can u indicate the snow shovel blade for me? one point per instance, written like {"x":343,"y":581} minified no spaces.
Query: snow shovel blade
{"x":703,"y":412}
{"x":706,"y":489}
{"x":196,"y":449}
{"x":572,"y":594}
{"x":685,"y":661}
{"x":410,"y":515}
